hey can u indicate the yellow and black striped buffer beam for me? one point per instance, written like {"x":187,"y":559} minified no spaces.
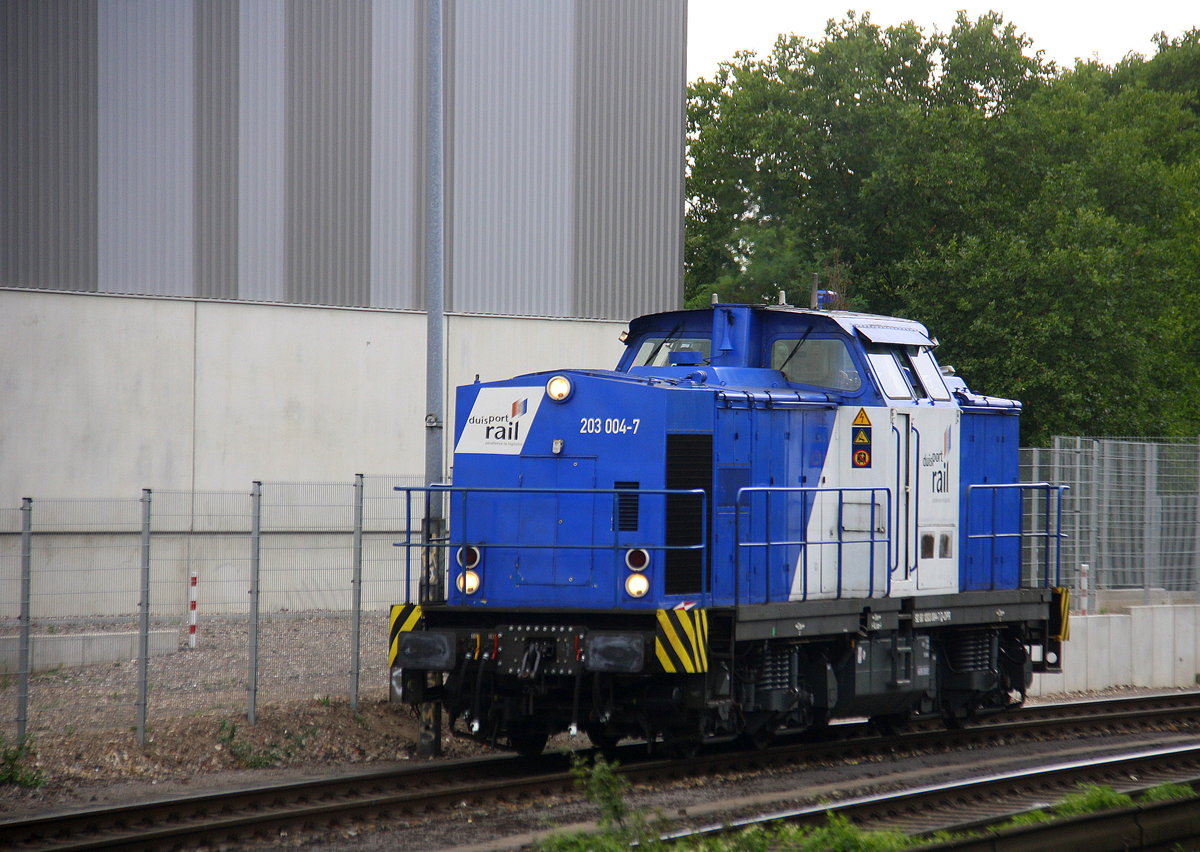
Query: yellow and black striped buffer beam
{"x":403,"y":617}
{"x":681,"y":640}
{"x":1060,"y":614}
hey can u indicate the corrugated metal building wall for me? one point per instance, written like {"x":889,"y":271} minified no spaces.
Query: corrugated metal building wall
{"x":272,"y":150}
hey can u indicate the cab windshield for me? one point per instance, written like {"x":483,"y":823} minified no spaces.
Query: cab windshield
{"x":823,"y":361}
{"x":660,"y":351}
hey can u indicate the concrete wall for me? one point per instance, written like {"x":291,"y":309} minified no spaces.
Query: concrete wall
{"x":52,"y":651}
{"x":105,"y":395}
{"x":1151,"y":646}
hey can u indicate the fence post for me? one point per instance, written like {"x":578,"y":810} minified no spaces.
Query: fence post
{"x":24,"y":647}
{"x":356,"y":586}
{"x":1196,"y":530}
{"x":1102,"y":553}
{"x":144,"y":621}
{"x":255,"y":558}
{"x":1151,"y":531}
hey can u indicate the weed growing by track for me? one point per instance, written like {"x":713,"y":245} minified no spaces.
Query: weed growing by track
{"x":620,"y":825}
{"x":14,"y":764}
{"x":1092,"y":799}
{"x":250,"y":757}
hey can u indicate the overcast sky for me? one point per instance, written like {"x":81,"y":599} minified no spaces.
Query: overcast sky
{"x":1101,"y":30}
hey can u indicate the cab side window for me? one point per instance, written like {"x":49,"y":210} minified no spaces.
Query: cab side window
{"x":895,"y":376}
{"x":907,"y":372}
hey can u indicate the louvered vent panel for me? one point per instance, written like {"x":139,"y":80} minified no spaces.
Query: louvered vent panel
{"x":689,"y":465}
{"x":627,"y":507}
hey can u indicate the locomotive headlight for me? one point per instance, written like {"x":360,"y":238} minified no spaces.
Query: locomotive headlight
{"x":559,"y":388}
{"x":637,"y":559}
{"x":468,"y":582}
{"x":636,"y":585}
{"x":468,"y":556}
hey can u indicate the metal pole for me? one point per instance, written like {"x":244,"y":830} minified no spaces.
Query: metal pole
{"x":255,"y":560}
{"x":1104,"y":509}
{"x":26,"y":585}
{"x":144,"y":621}
{"x":1196,"y":531}
{"x":1151,"y":518}
{"x":356,"y":586}
{"x":435,"y":248}
{"x":429,"y":741}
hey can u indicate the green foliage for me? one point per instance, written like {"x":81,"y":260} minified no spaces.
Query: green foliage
{"x":620,"y":826}
{"x":272,"y":754}
{"x":15,"y":764}
{"x":1166,"y":792}
{"x":1091,"y":799}
{"x":1036,"y":817}
{"x":837,"y":835}
{"x":1041,"y":221}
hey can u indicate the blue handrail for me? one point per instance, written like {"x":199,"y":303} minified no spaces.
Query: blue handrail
{"x":871,"y":541}
{"x":1049,"y":534}
{"x":464,"y":506}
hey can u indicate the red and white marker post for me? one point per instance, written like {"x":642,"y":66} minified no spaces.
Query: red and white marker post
{"x":192,"y":590}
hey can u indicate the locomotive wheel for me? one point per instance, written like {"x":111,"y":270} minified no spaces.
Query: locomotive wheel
{"x":683,"y":748}
{"x":760,"y":738}
{"x":607,"y":743}
{"x":528,"y":743}
{"x":890,"y":724}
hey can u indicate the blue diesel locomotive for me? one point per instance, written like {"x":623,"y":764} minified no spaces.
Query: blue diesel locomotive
{"x":764,"y":518}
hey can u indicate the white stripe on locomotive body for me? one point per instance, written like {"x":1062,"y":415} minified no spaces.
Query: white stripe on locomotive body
{"x":922,"y":521}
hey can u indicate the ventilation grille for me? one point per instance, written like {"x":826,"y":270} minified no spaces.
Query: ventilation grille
{"x":627,"y":507}
{"x":689,"y":465}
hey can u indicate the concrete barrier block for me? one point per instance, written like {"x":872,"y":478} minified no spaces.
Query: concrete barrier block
{"x":1162,"y":649}
{"x":1047,"y":684}
{"x":109,"y":647}
{"x":1098,"y":674}
{"x":1184,"y":647}
{"x":67,"y":650}
{"x":1141,"y":656}
{"x":1120,"y":631}
{"x":51,"y":652}
{"x":1076,"y":654}
{"x":1197,"y":646}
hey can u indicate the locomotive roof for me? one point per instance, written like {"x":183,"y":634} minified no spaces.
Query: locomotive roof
{"x":875,"y":328}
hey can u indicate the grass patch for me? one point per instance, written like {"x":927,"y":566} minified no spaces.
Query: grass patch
{"x":270,"y":754}
{"x":1092,"y":799}
{"x":15,"y":765}
{"x":1166,"y":792}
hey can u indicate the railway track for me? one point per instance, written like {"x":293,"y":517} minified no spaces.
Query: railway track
{"x":418,"y":789}
{"x":977,"y":804}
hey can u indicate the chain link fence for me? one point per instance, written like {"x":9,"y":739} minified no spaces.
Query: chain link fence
{"x":118,"y":612}
{"x":1131,"y":516}
{"x":293,"y":582}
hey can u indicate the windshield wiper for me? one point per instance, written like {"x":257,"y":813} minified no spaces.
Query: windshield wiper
{"x":796,"y":348}
{"x":649,"y":362}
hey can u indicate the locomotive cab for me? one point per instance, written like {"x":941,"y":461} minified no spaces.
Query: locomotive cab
{"x":764,"y":517}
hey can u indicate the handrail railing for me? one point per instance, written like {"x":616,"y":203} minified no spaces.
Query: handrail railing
{"x":872,"y":540}
{"x":1048,"y":534}
{"x":434,"y":547}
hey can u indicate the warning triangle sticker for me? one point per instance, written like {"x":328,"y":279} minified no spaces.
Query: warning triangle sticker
{"x":861,"y":436}
{"x":862,"y":419}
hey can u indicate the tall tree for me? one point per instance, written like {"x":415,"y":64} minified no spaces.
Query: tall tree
{"x":1041,"y":221}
